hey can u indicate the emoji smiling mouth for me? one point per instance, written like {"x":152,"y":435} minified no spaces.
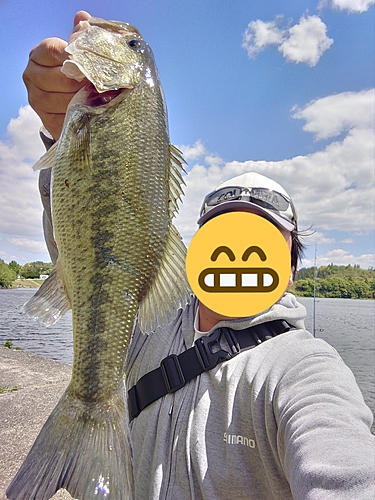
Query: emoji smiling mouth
{"x":239,"y":279}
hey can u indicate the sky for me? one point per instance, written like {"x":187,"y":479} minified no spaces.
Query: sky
{"x":284,"y":88}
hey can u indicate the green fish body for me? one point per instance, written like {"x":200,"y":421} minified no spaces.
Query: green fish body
{"x":116,"y":182}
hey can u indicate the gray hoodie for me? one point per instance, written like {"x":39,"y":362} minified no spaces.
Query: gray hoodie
{"x":284,"y":420}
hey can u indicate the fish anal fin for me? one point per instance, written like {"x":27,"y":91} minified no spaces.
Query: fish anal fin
{"x":50,"y":302}
{"x":169,"y":290}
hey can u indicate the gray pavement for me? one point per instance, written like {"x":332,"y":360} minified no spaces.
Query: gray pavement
{"x":40,"y":382}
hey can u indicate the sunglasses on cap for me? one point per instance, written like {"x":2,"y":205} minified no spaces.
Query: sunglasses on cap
{"x":266,"y":198}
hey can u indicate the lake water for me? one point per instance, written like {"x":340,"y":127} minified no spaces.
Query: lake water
{"x":348,"y":325}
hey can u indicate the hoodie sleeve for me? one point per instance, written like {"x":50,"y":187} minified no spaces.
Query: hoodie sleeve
{"x":45,"y":195}
{"x":324,"y":438}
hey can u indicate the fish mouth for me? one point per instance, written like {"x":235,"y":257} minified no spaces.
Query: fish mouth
{"x":95,"y":99}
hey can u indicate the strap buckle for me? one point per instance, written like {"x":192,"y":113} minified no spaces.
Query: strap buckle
{"x":209,"y":350}
{"x":172,"y":373}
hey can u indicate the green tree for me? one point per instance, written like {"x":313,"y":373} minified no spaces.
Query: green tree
{"x":305,"y":287}
{"x":305,"y":273}
{"x":335,"y":287}
{"x":7,"y":275}
{"x":336,"y":282}
{"x":34,"y":269}
{"x":14,"y":266}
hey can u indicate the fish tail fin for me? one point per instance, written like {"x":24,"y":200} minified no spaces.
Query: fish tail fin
{"x":86,"y":452}
{"x":50,"y":302}
{"x":170,"y":289}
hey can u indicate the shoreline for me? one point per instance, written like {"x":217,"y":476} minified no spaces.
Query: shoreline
{"x":35,"y":385}
{"x":25,"y":284}
{"x":35,"y":286}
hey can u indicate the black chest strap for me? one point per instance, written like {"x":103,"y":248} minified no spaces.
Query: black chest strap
{"x":208,"y":351}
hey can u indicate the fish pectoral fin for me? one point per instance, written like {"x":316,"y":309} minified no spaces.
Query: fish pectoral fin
{"x":80,"y":145}
{"x":170,"y":289}
{"x":176,"y":181}
{"x":50,"y":302}
{"x":48,"y":159}
{"x":82,"y":448}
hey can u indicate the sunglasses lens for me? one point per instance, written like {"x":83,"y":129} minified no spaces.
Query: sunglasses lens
{"x":224,"y":194}
{"x":273,"y":199}
{"x":265,"y":198}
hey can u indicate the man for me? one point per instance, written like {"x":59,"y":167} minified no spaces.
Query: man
{"x":282,"y":420}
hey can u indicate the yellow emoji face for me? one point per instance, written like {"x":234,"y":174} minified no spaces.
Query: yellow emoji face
{"x":238,"y":264}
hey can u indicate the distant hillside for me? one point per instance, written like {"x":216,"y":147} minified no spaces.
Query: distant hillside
{"x":336,"y":282}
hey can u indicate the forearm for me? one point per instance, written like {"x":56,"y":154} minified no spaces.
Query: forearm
{"x":325,"y":443}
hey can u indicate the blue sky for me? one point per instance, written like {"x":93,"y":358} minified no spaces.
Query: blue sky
{"x":283,"y":87}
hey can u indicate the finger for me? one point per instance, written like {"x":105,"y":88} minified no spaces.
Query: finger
{"x":49,"y":52}
{"x":51,"y":108}
{"x":44,"y":101}
{"x":48,"y":78}
{"x":82,"y":15}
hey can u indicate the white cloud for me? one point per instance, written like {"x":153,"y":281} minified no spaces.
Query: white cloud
{"x":259,"y":35}
{"x":350,"y":5}
{"x":333,"y":188}
{"x":348,"y":241}
{"x":24,"y":134}
{"x":318,"y":237}
{"x":341,"y":257}
{"x":330,"y":116}
{"x":28,"y":245}
{"x":304,"y":42}
{"x":193,"y":152}
{"x":20,"y":205}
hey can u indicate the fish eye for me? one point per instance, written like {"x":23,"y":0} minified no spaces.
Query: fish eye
{"x":136,"y":44}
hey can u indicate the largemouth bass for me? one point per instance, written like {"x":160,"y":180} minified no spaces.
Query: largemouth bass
{"x":116,"y":182}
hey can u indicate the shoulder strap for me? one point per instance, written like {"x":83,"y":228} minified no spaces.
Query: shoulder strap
{"x":208,"y":351}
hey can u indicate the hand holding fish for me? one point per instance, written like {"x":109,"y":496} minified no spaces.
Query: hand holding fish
{"x":49,"y":90}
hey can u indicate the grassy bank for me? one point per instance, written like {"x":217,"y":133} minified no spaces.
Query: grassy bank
{"x":27,"y":283}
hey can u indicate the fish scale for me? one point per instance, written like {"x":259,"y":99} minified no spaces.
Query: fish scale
{"x":116,"y":181}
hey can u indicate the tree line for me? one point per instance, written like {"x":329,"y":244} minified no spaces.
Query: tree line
{"x":332,"y":281}
{"x":12,"y":271}
{"x":347,"y":282}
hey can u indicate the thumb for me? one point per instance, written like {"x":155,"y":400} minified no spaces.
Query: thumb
{"x":82,"y":15}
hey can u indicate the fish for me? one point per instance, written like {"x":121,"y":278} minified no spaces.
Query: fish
{"x":116,"y":185}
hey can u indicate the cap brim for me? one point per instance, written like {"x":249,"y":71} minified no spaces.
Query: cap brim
{"x":247,"y":206}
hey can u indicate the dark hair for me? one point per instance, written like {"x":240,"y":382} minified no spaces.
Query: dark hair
{"x":298,"y":248}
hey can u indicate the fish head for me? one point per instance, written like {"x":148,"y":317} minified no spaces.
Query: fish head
{"x":112,"y":55}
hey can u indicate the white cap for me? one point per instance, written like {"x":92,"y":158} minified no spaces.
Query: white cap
{"x":255,"y":193}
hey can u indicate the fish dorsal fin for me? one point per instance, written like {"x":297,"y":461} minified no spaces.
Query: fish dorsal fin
{"x":176,"y":164}
{"x":47,"y":160}
{"x":170,"y":289}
